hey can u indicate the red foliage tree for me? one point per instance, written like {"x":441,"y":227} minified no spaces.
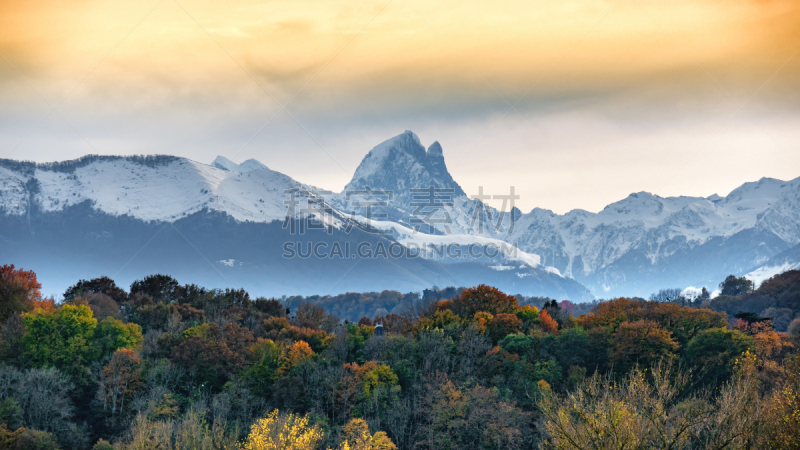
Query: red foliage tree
{"x":18,"y":290}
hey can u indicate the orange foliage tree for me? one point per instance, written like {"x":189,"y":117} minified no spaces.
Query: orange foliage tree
{"x":683,"y":322}
{"x":294,"y":355}
{"x":643,"y":342}
{"x":502,"y":325}
{"x":547,"y":323}
{"x":483,"y":298}
{"x":121,"y":378}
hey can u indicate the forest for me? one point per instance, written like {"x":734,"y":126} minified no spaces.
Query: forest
{"x":169,"y":366}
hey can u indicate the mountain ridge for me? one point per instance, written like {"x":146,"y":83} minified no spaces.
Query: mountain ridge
{"x":640,"y":240}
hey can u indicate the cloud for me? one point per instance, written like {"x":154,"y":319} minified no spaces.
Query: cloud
{"x":229,"y":32}
{"x":635,"y":83}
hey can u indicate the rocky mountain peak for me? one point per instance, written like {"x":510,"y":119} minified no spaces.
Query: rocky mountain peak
{"x":402,"y":163}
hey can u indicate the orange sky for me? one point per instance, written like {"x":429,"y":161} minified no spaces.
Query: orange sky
{"x":602,"y":90}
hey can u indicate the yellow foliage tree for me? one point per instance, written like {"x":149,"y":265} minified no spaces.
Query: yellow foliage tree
{"x":355,"y":436}
{"x":282,"y":432}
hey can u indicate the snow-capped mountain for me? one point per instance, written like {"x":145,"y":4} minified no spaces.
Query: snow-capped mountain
{"x":233,"y":224}
{"x":644,"y":240}
{"x":632,"y":247}
{"x":402,"y":163}
{"x":403,"y":168}
{"x":401,"y":194}
{"x":160,"y":188}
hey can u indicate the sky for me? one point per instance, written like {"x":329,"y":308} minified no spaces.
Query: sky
{"x":574,"y":103}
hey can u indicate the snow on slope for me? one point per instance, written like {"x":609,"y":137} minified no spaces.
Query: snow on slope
{"x":643,"y":219}
{"x":415,"y":240}
{"x":577,"y":241}
{"x":658,"y":227}
{"x":13,"y":196}
{"x":224,"y":163}
{"x":764,"y":273}
{"x":402,"y":163}
{"x":166,"y":192}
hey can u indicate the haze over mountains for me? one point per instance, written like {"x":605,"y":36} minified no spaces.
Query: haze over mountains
{"x":225,"y":224}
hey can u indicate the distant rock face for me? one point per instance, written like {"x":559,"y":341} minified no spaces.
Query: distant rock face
{"x":400,"y":164}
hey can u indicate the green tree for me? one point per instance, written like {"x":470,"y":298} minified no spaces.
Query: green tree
{"x":357,"y":336}
{"x":735,"y":286}
{"x":161,"y":288}
{"x":263,"y":371}
{"x":111,"y":334}
{"x":102,"y":285}
{"x":62,"y":338}
{"x":713,"y":352}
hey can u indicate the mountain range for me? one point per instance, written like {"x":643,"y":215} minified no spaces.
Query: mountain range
{"x":244,"y":225}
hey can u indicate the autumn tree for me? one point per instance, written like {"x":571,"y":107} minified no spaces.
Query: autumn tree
{"x":213,"y":354}
{"x":528,"y":314}
{"x":683,"y":322}
{"x":547,"y":323}
{"x":483,"y":298}
{"x":356,"y":436}
{"x":309,"y":315}
{"x":120,"y":379}
{"x":475,"y":417}
{"x":643,"y":342}
{"x":195,"y":430}
{"x":781,"y":410}
{"x":293,"y":356}
{"x":18,"y":288}
{"x":102,"y":305}
{"x":270,"y":307}
{"x":279,"y":431}
{"x":365,"y":390}
{"x":442,"y":318}
{"x":501,"y":325}
{"x":653,"y":411}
